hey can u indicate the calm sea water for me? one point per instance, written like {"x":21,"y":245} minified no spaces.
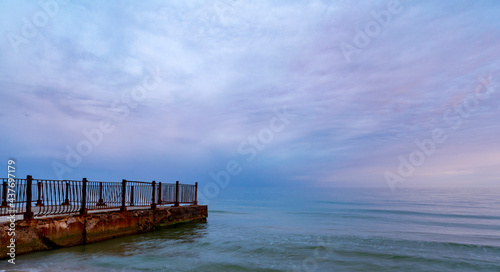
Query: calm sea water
{"x":308,"y":230}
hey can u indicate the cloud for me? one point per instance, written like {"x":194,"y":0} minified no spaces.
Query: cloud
{"x":227,"y":65}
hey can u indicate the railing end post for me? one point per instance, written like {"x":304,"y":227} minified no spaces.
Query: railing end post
{"x":28,"y":215}
{"x":153,"y":199}
{"x":176,"y":194}
{"x":195,"y":193}
{"x":123,"y":208}
{"x":83,"y":208}
{"x":4,"y":195}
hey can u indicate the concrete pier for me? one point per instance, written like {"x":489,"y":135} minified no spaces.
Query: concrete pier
{"x":71,"y":230}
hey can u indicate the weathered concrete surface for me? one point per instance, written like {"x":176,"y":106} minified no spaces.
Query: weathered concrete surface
{"x":65,"y":231}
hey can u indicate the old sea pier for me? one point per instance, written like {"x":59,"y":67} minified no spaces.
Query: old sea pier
{"x":40,"y":214}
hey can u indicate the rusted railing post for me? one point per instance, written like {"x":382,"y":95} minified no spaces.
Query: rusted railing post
{"x":66,"y":200}
{"x":132,"y":195}
{"x":153,"y":202}
{"x":124,"y":191}
{"x":39,"y":199}
{"x":195,"y":193}
{"x":4,"y":195}
{"x":101,"y":201}
{"x":83,"y":209}
{"x":159,"y":193}
{"x":176,"y":194}
{"x":28,"y":214}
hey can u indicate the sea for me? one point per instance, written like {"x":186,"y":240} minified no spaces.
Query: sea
{"x":308,"y":229}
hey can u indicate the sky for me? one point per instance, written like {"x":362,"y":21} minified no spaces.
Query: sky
{"x":253,"y":93}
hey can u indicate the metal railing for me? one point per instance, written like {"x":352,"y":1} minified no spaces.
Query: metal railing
{"x":56,"y":196}
{"x":13,"y":199}
{"x":41,"y":197}
{"x":103,"y":195}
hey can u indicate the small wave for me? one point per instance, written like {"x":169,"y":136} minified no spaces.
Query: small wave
{"x":389,"y":242}
{"x":225,"y":212}
{"x":405,"y":212}
{"x":234,"y":267}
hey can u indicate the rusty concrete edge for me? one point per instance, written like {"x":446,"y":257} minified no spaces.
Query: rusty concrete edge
{"x":201,"y":218}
